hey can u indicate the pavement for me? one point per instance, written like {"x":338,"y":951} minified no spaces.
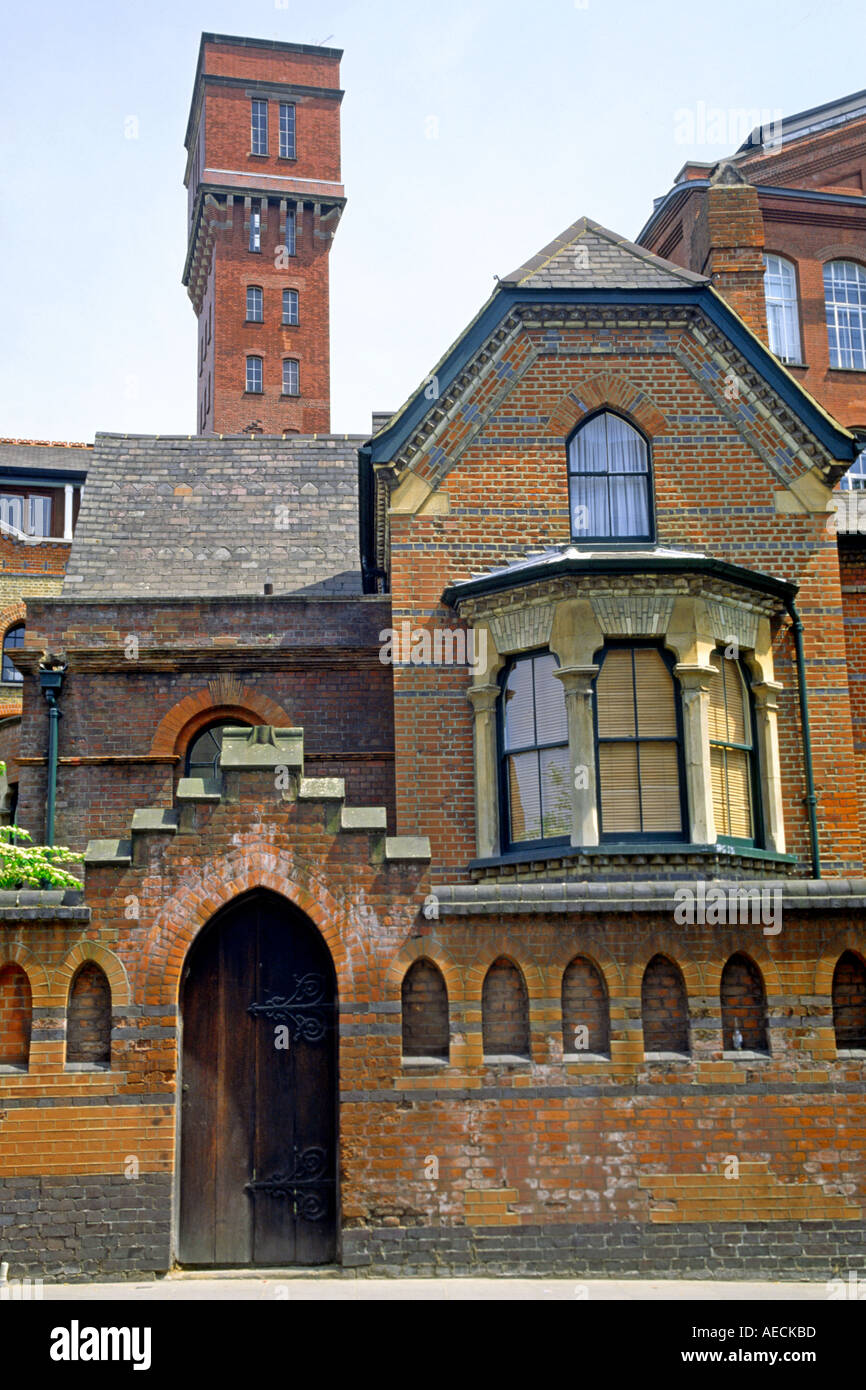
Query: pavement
{"x":234,"y":1286}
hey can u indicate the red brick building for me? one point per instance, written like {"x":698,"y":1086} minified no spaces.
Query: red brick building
{"x":473,"y":820}
{"x":265,"y":198}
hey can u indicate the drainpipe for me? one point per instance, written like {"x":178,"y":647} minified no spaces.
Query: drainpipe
{"x":50,"y":682}
{"x":811,"y":798}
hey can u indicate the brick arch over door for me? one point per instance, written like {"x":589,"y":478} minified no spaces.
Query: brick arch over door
{"x":613,"y":391}
{"x":176,"y":925}
{"x":230,"y":700}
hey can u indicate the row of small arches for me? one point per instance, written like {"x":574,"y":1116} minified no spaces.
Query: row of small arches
{"x":88,"y":1017}
{"x":586,"y":1009}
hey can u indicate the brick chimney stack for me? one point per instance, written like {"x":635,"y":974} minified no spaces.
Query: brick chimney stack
{"x":729,"y":235}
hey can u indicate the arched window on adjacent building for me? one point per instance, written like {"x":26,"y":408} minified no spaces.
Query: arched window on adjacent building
{"x":16,"y":1017}
{"x":585,"y":1010}
{"x":849,"y":1001}
{"x":14,"y":638}
{"x":744,"y":1006}
{"x":203,"y":752}
{"x":504,"y":1012}
{"x":255,"y":379}
{"x":424,"y":1004}
{"x":536,"y":782}
{"x":255,"y":304}
{"x":783,"y":314}
{"x":609,"y":481}
{"x":732,"y":764}
{"x":88,"y":1018}
{"x":845,"y":305}
{"x":664,"y":1008}
{"x":640,"y":773}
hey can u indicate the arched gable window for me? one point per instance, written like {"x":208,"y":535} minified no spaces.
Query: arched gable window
{"x":855,"y":479}
{"x":16,"y":1016}
{"x":203,"y":752}
{"x":732,"y":762}
{"x":609,"y":481}
{"x":536,"y":790}
{"x":639,"y":743}
{"x":88,"y":1019}
{"x":664,"y":1008}
{"x":744,"y":1006}
{"x":585,"y":1010}
{"x":424,"y":1003}
{"x":783,"y":317}
{"x":14,"y":638}
{"x":849,"y":1001}
{"x":845,"y":305}
{"x":504,"y":1011}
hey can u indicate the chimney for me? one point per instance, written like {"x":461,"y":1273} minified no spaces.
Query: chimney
{"x":729,"y":236}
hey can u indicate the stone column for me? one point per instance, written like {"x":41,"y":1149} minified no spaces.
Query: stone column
{"x":577,"y":683}
{"x":766,"y":710}
{"x":695,"y":684}
{"x":483,"y":699}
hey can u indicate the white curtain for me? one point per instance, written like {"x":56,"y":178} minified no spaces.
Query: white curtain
{"x":609,"y":480}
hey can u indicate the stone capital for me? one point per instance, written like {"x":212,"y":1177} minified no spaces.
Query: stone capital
{"x":483,"y":697}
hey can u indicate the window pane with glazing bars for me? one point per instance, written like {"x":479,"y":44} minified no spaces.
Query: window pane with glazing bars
{"x":14,"y":638}
{"x":845,"y":302}
{"x":259,"y":127}
{"x":291,"y":377}
{"x":290,"y":306}
{"x":638,"y":744}
{"x":255,"y":229}
{"x":730,"y":750}
{"x":535,"y":741}
{"x":255,"y":304}
{"x":254,"y":374}
{"x":287,"y":130}
{"x":608,"y":480}
{"x":780,"y":294}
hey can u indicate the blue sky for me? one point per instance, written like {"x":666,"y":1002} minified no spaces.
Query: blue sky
{"x":472,"y":134}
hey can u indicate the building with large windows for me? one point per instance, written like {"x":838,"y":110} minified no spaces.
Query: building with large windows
{"x":473,"y":812}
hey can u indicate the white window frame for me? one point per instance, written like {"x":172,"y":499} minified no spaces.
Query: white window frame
{"x":255,"y":370}
{"x":258,"y":126}
{"x":783,"y":308}
{"x":845,"y":308}
{"x":291,"y":317}
{"x":288,"y":128}
{"x":289,"y":363}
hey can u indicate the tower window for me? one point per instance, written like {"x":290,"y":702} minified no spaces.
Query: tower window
{"x":290,"y":307}
{"x":291,"y":242}
{"x":291,"y":377}
{"x":287,"y":130}
{"x":255,"y":304}
{"x":255,"y":229}
{"x":608,"y":480}
{"x":259,"y":143}
{"x":254,"y":374}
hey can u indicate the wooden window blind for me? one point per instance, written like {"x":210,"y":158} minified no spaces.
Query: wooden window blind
{"x":730,"y":750}
{"x":638,"y":744}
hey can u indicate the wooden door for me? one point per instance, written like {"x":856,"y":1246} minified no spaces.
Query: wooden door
{"x":258,"y":1152}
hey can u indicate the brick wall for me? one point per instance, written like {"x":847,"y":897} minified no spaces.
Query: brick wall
{"x":424,"y":1012}
{"x":743,"y":1005}
{"x":15,"y":1016}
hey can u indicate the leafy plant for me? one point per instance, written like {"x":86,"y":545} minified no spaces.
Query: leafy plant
{"x":33,"y":866}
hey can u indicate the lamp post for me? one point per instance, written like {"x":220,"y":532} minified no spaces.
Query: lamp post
{"x":50,"y":681}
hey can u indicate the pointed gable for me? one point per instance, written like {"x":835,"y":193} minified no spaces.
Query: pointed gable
{"x":588,"y":256}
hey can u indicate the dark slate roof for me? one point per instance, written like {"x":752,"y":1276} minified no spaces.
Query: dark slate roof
{"x":25,"y":456}
{"x":588,"y":256}
{"x":178,"y":517}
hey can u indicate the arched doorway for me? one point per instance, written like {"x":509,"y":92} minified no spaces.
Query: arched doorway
{"x":258,"y":1141}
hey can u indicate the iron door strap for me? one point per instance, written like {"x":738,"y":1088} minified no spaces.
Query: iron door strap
{"x":305,"y":1184}
{"x":306,"y":1011}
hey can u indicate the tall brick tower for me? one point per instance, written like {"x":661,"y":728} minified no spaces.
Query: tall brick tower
{"x":265,"y":198}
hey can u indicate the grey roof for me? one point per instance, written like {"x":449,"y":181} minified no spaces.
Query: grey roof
{"x":172,"y":517}
{"x":37,"y":457}
{"x":588,"y":256}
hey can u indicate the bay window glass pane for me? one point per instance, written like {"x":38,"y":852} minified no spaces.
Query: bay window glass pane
{"x":659,"y":788}
{"x":620,"y":798}
{"x":524,"y":794}
{"x":589,"y":514}
{"x":654,"y":691}
{"x":519,"y":711}
{"x":629,"y":507}
{"x":615,"y":696}
{"x":551,"y":725}
{"x":739,"y":794}
{"x":555,"y":792}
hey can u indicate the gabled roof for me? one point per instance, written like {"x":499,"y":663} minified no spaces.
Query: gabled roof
{"x":589,"y":256}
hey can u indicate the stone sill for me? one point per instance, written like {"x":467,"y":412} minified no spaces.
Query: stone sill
{"x":672,"y":854}
{"x":101,"y":1068}
{"x":744,"y":1056}
{"x":506,"y":1059}
{"x":853,"y":1054}
{"x":13,"y":1069}
{"x":489,"y":897}
{"x":685,"y":1057}
{"x":581,"y":1057}
{"x":438,"y":1062}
